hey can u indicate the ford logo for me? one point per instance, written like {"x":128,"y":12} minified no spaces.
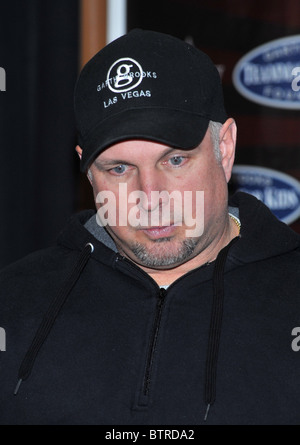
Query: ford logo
{"x":280,"y":192}
{"x":270,"y":74}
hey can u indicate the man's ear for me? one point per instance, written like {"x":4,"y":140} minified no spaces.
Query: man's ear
{"x":227,"y":146}
{"x":79,"y":151}
{"x":89,"y":173}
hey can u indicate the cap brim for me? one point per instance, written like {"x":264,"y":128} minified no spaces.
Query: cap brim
{"x":175,"y":128}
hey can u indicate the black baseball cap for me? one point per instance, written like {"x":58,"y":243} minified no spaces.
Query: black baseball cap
{"x":146,"y":85}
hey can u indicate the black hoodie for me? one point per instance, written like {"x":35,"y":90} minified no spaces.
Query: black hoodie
{"x":92,"y":339}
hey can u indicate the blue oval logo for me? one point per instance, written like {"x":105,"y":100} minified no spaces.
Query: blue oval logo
{"x":270,"y":74}
{"x":280,"y":192}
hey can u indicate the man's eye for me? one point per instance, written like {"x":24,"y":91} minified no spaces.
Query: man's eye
{"x":119,"y":170}
{"x":176,"y":160}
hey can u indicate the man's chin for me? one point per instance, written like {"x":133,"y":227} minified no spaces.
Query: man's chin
{"x":163,"y":254}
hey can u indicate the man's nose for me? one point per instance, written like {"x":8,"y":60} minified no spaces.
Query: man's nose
{"x":153,"y":191}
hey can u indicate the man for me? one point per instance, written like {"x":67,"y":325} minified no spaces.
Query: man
{"x":166,"y":306}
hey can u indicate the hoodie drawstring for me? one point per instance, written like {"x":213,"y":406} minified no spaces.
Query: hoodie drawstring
{"x":51,"y":315}
{"x":215,"y":328}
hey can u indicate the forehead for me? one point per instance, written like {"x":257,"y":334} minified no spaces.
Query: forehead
{"x":132,"y":149}
{"x":144,"y":149}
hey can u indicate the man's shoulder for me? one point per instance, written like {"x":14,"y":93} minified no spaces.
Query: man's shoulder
{"x":28,"y":285}
{"x":36,"y":260}
{"x":53,"y":258}
{"x":35,"y":272}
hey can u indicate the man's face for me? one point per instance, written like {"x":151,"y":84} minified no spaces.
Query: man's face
{"x":155,"y":230}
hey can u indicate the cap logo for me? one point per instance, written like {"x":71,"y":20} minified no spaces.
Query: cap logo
{"x":124,"y":75}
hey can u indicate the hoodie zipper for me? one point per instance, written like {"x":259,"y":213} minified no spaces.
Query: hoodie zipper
{"x":148,"y":369}
{"x":153,"y":341}
{"x":144,"y":392}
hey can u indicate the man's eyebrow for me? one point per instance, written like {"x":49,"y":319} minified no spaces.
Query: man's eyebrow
{"x":169,"y":150}
{"x":104,"y":163}
{"x":176,"y":150}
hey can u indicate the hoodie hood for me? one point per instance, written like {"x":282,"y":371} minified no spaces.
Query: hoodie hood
{"x":262,"y":234}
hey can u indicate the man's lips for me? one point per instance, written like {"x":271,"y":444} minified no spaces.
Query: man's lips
{"x":159,"y":231}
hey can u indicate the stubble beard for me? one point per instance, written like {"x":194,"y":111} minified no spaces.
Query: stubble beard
{"x":162,"y":255}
